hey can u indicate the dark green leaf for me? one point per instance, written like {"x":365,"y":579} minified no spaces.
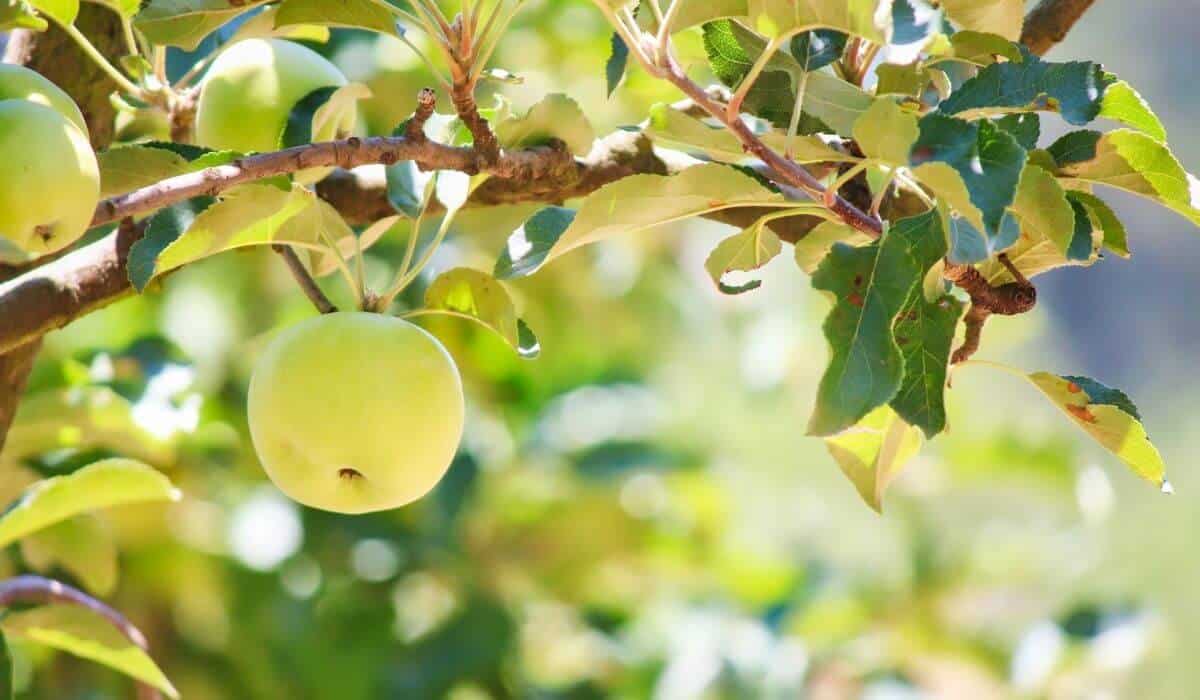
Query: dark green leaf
{"x":1075,"y":147}
{"x":298,"y":130}
{"x":816,"y":49}
{"x":614,"y":69}
{"x":870,"y":285}
{"x":163,"y":229}
{"x":1115,"y":237}
{"x":914,"y":21}
{"x":1025,"y":128}
{"x":988,"y":159}
{"x":1075,"y":89}
{"x":529,"y":245}
{"x":1081,"y":239}
{"x":406,"y":187}
{"x":6,"y":670}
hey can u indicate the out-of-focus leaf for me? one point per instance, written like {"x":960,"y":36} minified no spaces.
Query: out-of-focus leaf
{"x":347,"y":241}
{"x":264,"y":25}
{"x":316,"y":110}
{"x":103,"y":484}
{"x":19,"y":14}
{"x":480,"y":296}
{"x":61,"y":11}
{"x":618,"y":59}
{"x":6,"y":670}
{"x":185,"y":23}
{"x":874,"y":451}
{"x":673,"y":128}
{"x":555,"y":116}
{"x":83,"y":633}
{"x":81,"y":546}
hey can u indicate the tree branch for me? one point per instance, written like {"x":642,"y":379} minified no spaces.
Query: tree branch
{"x":1048,"y":23}
{"x":307,"y":284}
{"x":36,"y":590}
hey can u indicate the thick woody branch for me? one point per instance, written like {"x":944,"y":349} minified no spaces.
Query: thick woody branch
{"x":1049,"y":23}
{"x":36,"y":590}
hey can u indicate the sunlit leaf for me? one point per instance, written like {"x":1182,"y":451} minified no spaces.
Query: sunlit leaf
{"x":555,"y":116}
{"x":1115,"y":237}
{"x":103,"y":484}
{"x":618,"y":59}
{"x":1003,"y":17}
{"x":83,"y":633}
{"x":1042,"y":206}
{"x":528,"y":246}
{"x":81,"y":546}
{"x":185,"y":23}
{"x":61,"y":11}
{"x":810,"y":250}
{"x":264,"y":25}
{"x":870,"y":19}
{"x":887,"y":132}
{"x":1123,"y":104}
{"x":747,"y":250}
{"x":355,"y":14}
{"x":671,"y":127}
{"x":480,"y":296}
{"x":874,"y":451}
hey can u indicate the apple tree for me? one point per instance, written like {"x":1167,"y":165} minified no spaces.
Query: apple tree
{"x":895,"y":146}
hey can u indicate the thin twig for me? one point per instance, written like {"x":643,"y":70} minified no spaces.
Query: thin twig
{"x":37,"y":590}
{"x":307,"y":284}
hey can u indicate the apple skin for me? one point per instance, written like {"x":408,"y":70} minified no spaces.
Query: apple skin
{"x":49,"y":180}
{"x":355,"y":391}
{"x":250,"y":90}
{"x":20,"y":83}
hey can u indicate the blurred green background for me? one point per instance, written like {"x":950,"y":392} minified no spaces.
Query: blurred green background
{"x":637,"y":513}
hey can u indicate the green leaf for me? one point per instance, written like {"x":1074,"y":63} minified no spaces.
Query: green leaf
{"x":925,"y":333}
{"x":185,"y":23}
{"x":556,"y":116}
{"x":967,"y":244}
{"x":1108,"y":416}
{"x":313,"y":112}
{"x":81,"y":547}
{"x":874,"y":451}
{"x":690,"y":14}
{"x":407,"y":187}
{"x":1074,"y":89}
{"x":671,"y":127}
{"x":914,"y":22}
{"x":924,"y":329}
{"x":1003,"y":17}
{"x":125,"y":8}
{"x":747,"y":250}
{"x":1123,"y":104}
{"x":265,"y":25}
{"x":103,"y":484}
{"x":988,"y":161}
{"x":642,"y":201}
{"x":618,"y":59}
{"x":869,"y":285}
{"x":1115,"y":238}
{"x":909,"y":80}
{"x":19,"y":14}
{"x":1041,"y":205}
{"x":6,"y":670}
{"x":251,"y":214}
{"x":816,"y":49}
{"x":480,"y":296}
{"x":528,"y":246}
{"x":1131,"y":161}
{"x":887,"y":132}
{"x":1026,"y":128}
{"x":731,"y":49}
{"x":810,"y":250}
{"x":83,"y":633}
{"x":870,"y":19}
{"x":127,"y":168}
{"x":1034,"y":253}
{"x":63,"y":12}
{"x":355,"y":14}
{"x":320,"y":223}
{"x":983,"y":47}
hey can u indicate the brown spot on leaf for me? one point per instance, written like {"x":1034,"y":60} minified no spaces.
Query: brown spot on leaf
{"x":715,"y":203}
{"x":856,"y":299}
{"x":1073,"y":387}
{"x":858,"y":280}
{"x":1082,"y":413}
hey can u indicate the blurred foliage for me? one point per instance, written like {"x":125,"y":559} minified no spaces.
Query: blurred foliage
{"x":633,"y":514}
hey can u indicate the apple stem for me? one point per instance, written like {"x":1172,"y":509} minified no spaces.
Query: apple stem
{"x":307,"y":284}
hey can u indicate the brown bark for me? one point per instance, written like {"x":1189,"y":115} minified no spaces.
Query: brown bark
{"x":1049,"y":23}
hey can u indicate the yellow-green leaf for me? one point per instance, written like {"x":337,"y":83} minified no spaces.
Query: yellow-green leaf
{"x":103,"y":484}
{"x":81,"y":546}
{"x":83,"y":633}
{"x":479,"y":296}
{"x":1042,"y":206}
{"x":874,"y":451}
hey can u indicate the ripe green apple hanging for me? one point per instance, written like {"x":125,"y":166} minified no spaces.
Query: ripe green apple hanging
{"x":251,"y":88}
{"x":20,"y":83}
{"x":49,"y":183}
{"x":355,"y":412}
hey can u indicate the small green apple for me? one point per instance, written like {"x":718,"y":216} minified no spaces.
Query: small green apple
{"x":250,"y":90}
{"x":49,"y":180}
{"x":20,"y":83}
{"x":355,"y":412}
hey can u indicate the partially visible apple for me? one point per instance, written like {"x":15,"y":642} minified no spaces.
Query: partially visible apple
{"x":355,"y":412}
{"x":49,"y":180}
{"x":20,"y":83}
{"x":250,"y":90}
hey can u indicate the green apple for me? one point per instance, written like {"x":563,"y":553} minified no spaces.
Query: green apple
{"x":49,"y":180}
{"x":355,"y":412}
{"x":250,"y":90}
{"x":20,"y":83}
